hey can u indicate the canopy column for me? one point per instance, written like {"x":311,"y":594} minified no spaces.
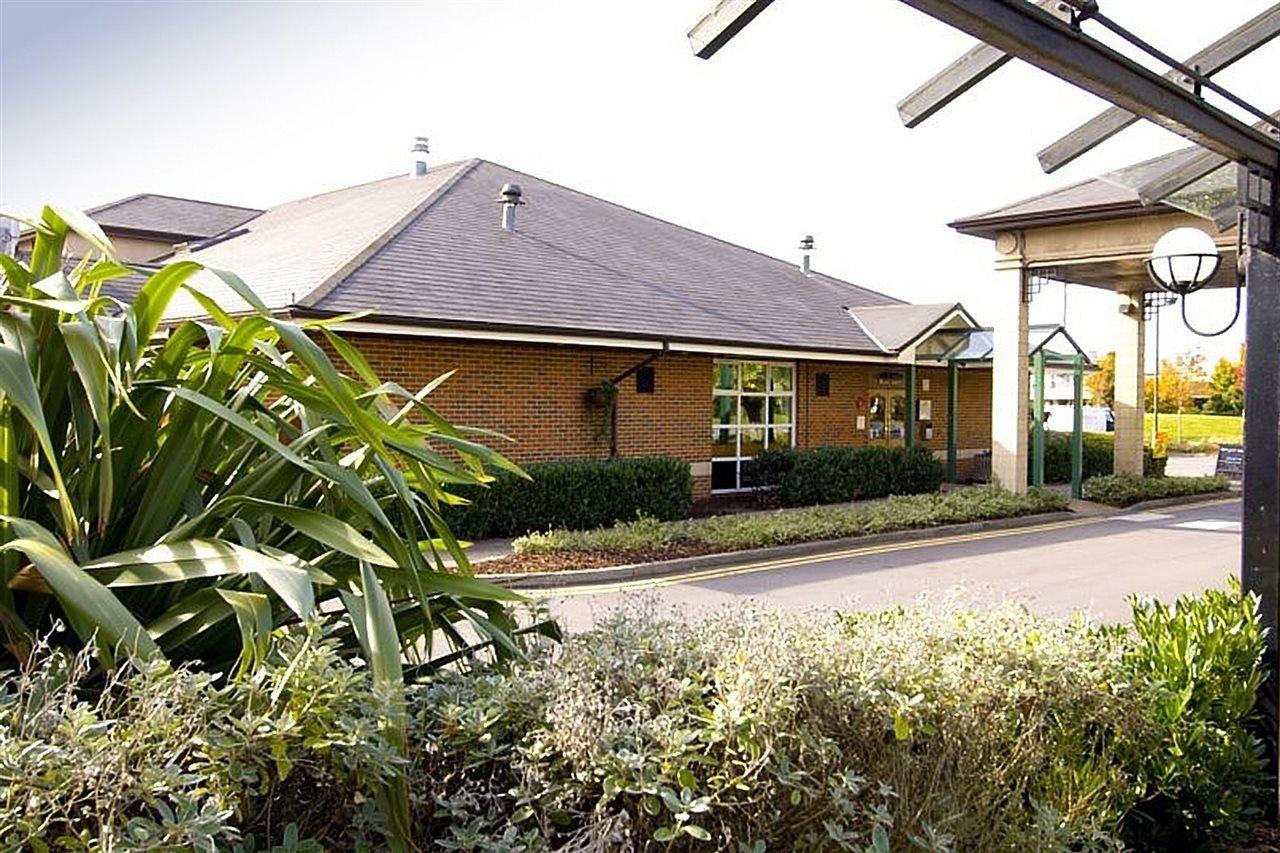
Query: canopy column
{"x":1009,"y":392}
{"x":1130,"y":338}
{"x":1077,"y":429}
{"x":1037,"y":420}
{"x":953,"y":419}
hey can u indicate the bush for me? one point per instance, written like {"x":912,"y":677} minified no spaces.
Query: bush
{"x":648,"y":537}
{"x":935,"y":728}
{"x":1128,"y":489}
{"x":1099,"y":459}
{"x":164,"y":758}
{"x":826,"y":475}
{"x":931,"y":727}
{"x":576,"y":495}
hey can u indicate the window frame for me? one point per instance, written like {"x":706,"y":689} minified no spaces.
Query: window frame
{"x":736,"y":429}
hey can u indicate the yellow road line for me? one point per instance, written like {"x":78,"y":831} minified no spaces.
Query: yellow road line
{"x":808,"y":559}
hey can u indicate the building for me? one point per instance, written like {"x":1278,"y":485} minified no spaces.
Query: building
{"x":581,"y":328}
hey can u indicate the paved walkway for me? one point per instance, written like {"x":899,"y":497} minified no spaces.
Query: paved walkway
{"x":1090,"y":564}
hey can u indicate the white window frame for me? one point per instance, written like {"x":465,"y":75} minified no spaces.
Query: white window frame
{"x":737,"y":428}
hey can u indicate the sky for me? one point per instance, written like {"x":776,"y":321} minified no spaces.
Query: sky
{"x":790,"y":130}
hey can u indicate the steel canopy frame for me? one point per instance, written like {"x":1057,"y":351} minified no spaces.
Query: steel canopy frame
{"x":1235,"y":45}
{"x":1040,"y":39}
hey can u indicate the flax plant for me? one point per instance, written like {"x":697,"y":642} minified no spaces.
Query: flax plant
{"x":182,"y":490}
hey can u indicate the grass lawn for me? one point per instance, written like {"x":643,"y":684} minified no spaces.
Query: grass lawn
{"x":1199,"y":430}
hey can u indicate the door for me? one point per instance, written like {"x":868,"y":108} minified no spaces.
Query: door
{"x":887,"y":419}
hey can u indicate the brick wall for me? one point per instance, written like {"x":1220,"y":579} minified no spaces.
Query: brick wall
{"x":535,"y":395}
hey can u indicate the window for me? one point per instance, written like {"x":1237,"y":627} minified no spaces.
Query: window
{"x":875,"y":423}
{"x":645,"y":380}
{"x":822,"y":385}
{"x":752,"y":408}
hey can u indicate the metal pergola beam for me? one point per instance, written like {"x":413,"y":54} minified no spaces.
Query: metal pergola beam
{"x":1037,"y":37}
{"x":722,"y":23}
{"x":956,"y":79}
{"x":1232,"y":47}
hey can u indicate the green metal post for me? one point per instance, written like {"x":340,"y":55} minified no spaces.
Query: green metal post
{"x":910,"y":414}
{"x":1077,"y":430}
{"x":1037,"y":421}
{"x":953,"y":418}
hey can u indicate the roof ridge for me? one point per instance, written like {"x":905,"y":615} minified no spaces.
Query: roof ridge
{"x":320,"y":291}
{"x":369,"y":183}
{"x":828,"y":278}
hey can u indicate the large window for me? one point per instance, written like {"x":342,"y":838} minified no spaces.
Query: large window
{"x":752,"y":407}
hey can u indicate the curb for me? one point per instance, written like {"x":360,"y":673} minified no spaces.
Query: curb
{"x":645,"y":571}
{"x":1179,"y":500}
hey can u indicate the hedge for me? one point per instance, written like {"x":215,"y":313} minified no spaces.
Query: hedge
{"x":826,"y":475}
{"x":929,"y":727}
{"x":1099,"y":459}
{"x":575,"y":495}
{"x":1127,"y":490}
{"x":642,"y":539}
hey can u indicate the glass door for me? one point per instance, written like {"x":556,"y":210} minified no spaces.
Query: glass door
{"x":886,"y":419}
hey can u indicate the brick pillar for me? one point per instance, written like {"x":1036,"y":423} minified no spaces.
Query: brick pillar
{"x":1130,"y":377}
{"x":1009,"y":393}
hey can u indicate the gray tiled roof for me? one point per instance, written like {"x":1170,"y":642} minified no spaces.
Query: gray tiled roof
{"x":898,"y":326}
{"x":168,"y":215}
{"x":1112,"y":194}
{"x":579,"y":263}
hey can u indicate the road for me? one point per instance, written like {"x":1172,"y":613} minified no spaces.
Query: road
{"x":1088,"y":564}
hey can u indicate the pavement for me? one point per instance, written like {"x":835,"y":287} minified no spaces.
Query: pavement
{"x":1089,"y":564}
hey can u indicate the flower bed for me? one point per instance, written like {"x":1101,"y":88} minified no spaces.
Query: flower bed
{"x":646,"y":540}
{"x":1128,"y":489}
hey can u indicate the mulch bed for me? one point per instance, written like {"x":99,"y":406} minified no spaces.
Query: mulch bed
{"x":599,"y":559}
{"x":1265,"y":840}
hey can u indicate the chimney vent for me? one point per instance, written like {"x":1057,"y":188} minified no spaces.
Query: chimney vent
{"x":806,"y":248}
{"x":420,"y":151}
{"x":510,"y":199}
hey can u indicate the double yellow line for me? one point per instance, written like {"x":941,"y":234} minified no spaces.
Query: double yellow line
{"x":809,"y":559}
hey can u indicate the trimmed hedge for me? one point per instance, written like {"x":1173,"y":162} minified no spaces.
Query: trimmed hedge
{"x":1099,"y":460}
{"x":1127,"y":490}
{"x":826,"y":475}
{"x":575,"y":495}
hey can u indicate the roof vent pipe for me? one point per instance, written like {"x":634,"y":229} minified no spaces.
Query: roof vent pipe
{"x":806,"y":248}
{"x":510,"y":199}
{"x":420,"y":152}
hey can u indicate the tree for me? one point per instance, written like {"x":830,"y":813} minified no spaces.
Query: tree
{"x":1179,"y":381}
{"x":1102,"y":382}
{"x":1226,"y":384}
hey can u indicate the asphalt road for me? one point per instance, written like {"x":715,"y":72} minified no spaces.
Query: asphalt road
{"x":1089,"y":564}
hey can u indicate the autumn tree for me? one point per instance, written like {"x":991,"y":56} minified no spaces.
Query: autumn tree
{"x":1102,"y":382}
{"x":1226,"y":387}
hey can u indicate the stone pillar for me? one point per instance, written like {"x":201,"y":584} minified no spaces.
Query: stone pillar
{"x":1009,"y":392}
{"x":1130,"y":378}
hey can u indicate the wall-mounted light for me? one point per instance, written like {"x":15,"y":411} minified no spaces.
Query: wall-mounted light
{"x":1182,"y":262}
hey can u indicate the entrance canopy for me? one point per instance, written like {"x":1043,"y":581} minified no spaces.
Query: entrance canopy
{"x":977,"y":346}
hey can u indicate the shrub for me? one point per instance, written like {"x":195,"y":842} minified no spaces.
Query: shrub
{"x":1128,"y":489}
{"x":826,"y":475}
{"x":935,"y":728}
{"x":1099,"y":458}
{"x":576,"y":495}
{"x":165,"y":758}
{"x":645,"y":536}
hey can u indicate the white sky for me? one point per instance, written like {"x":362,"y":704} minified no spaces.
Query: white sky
{"x":791,"y":129}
